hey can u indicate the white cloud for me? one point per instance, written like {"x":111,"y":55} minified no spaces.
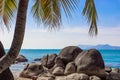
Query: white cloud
{"x":42,"y":38}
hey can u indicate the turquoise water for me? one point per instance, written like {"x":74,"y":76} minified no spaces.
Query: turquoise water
{"x":110,"y":57}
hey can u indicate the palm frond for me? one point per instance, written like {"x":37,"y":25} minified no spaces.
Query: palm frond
{"x":69,"y":6}
{"x":47,"y":12}
{"x":7,"y":8}
{"x":90,"y":12}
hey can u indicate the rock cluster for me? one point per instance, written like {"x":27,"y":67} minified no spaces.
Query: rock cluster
{"x":72,"y":63}
{"x":112,"y":73}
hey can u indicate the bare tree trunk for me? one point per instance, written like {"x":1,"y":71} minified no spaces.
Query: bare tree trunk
{"x":7,"y":74}
{"x":8,"y":59}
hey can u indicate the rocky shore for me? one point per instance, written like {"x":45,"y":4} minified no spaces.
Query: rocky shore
{"x":72,"y":63}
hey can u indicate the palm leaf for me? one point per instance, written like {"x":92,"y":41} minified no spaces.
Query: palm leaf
{"x":69,"y":6}
{"x":49,"y":11}
{"x":7,"y":8}
{"x":90,"y":12}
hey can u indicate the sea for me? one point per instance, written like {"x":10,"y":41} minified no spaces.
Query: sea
{"x":111,"y":57}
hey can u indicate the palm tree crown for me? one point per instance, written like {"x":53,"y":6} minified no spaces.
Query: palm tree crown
{"x":49,"y":12}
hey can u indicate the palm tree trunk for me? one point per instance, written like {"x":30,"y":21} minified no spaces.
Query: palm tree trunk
{"x":8,"y":59}
{"x":7,"y":74}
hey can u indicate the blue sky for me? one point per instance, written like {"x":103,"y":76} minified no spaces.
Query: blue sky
{"x":74,"y":31}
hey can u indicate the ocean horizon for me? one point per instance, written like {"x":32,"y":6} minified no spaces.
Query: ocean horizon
{"x":111,"y":57}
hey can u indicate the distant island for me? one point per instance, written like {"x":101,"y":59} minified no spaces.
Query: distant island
{"x":99,"y":46}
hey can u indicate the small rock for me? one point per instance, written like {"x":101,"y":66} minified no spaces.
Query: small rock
{"x":58,"y":71}
{"x":48,"y":60}
{"x":45,"y":78}
{"x":70,"y":68}
{"x":46,"y":73}
{"x":115,"y":70}
{"x":114,"y":76}
{"x":76,"y":76}
{"x":58,"y":63}
{"x":60,"y":78}
{"x":108,"y":69}
{"x":94,"y":78}
{"x":37,"y":59}
{"x":21,"y":58}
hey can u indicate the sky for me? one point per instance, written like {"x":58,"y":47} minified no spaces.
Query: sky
{"x":73,"y":32}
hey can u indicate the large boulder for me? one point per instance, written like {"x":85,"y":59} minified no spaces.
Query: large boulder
{"x":69,"y":53}
{"x":70,"y":68}
{"x":91,"y":63}
{"x":21,"y":58}
{"x":48,"y":60}
{"x":32,"y":70}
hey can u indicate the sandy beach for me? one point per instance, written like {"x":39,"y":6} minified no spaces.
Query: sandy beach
{"x":16,"y":70}
{"x":16,"y":76}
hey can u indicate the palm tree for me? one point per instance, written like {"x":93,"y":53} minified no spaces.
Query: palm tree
{"x":49,"y":13}
{"x":6,"y":74}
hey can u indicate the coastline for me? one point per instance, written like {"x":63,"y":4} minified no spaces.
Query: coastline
{"x":17,"y":68}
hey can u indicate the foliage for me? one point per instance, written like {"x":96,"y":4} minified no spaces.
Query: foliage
{"x":49,"y":12}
